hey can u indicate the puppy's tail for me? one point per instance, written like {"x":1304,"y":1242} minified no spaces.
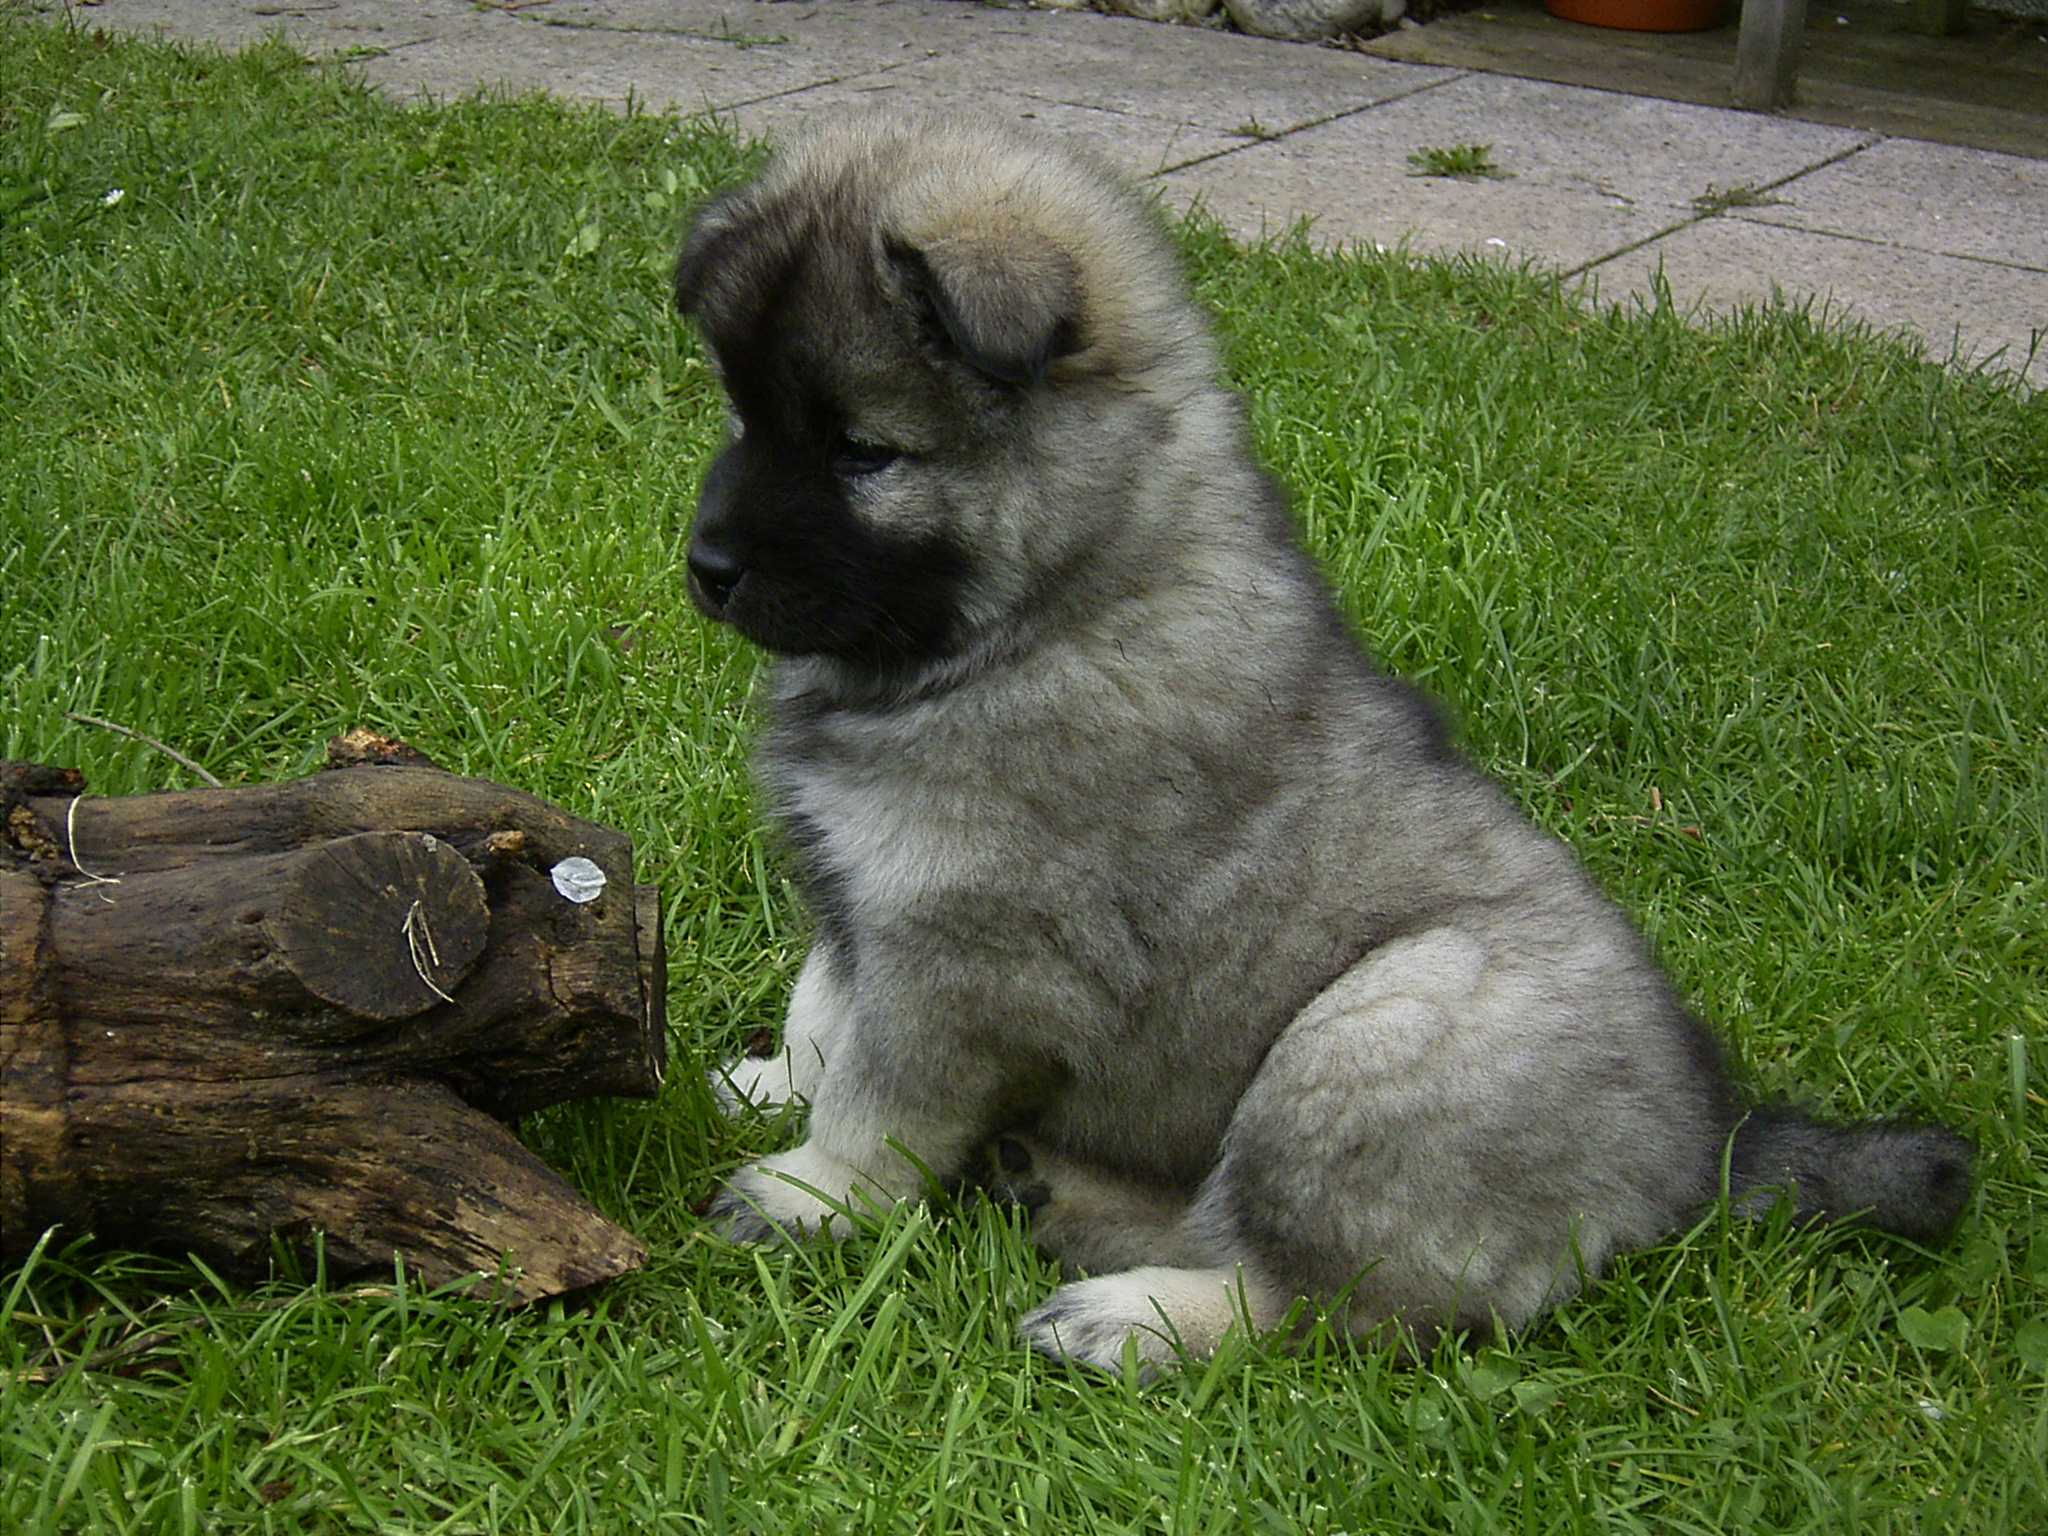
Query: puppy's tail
{"x":1900,"y":1177}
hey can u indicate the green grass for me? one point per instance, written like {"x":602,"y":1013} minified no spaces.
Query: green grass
{"x":343,"y":413}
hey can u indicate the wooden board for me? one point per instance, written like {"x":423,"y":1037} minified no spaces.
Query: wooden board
{"x":1986,"y":87}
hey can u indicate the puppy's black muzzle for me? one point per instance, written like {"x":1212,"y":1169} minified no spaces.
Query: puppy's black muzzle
{"x":714,"y":574}
{"x":715,"y":570}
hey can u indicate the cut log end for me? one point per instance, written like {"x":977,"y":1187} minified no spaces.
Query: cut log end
{"x":383,"y":924}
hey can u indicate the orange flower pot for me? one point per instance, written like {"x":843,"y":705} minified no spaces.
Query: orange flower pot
{"x":1644,"y":15}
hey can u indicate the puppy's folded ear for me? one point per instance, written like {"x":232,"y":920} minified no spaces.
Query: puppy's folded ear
{"x":1007,"y":311}
{"x":710,"y":231}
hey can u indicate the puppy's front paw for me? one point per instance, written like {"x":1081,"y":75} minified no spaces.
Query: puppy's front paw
{"x":736,"y":1214}
{"x":1161,"y":1313}
{"x":793,"y":1195}
{"x":756,"y":1082}
{"x":1089,"y":1321}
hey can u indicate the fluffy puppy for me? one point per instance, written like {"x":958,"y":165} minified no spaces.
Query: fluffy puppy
{"x":1125,"y":860}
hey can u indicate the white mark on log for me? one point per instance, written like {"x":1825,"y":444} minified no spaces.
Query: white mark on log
{"x":71,"y":846}
{"x":419,"y":939}
{"x":578,"y":880}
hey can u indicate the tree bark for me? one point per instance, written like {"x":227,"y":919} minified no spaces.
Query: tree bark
{"x":234,"y":1016}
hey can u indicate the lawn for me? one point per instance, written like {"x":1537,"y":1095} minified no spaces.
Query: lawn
{"x":321,"y":411}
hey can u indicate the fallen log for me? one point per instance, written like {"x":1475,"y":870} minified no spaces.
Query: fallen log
{"x":234,"y":1017}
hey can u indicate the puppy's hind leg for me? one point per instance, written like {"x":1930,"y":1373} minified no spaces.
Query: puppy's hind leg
{"x":1154,"y":1277}
{"x":1446,"y":1137}
{"x":1159,"y":1312}
{"x":1091,"y":1220}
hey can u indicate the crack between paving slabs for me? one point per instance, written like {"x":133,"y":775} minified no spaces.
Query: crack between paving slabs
{"x":1704,"y":215}
{"x":1278,"y":134}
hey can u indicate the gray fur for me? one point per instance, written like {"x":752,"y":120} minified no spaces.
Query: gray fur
{"x":1124,"y":857}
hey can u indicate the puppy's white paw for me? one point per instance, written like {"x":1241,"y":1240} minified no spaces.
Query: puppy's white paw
{"x":1088,"y":1322}
{"x":794,"y":1071}
{"x":792,"y":1195}
{"x":1162,"y":1313}
{"x":756,"y":1082}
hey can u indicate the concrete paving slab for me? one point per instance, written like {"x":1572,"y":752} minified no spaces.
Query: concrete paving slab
{"x":319,"y":28}
{"x":1584,"y":173}
{"x":1229,"y":84}
{"x":1180,"y":93}
{"x":1110,"y":63}
{"x":1352,"y":181}
{"x":1964,"y":311}
{"x":1926,"y":197}
{"x":1167,"y":98}
{"x":695,"y":56}
{"x":1140,"y":144}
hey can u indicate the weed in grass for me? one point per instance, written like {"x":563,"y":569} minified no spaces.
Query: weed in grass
{"x":317,"y":426}
{"x":1459,"y":162}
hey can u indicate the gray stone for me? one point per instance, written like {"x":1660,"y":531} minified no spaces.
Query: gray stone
{"x":1311,"y":21}
{"x":1160,"y":10}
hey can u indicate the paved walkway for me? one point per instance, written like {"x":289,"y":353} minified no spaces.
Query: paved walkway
{"x":1950,"y":244}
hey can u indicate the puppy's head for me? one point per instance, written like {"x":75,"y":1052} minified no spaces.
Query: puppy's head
{"x":928,"y":331}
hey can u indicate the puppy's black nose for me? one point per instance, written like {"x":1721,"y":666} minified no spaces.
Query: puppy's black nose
{"x":714,"y":573}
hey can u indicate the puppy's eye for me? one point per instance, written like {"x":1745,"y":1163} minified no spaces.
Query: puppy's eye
{"x":853,"y":456}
